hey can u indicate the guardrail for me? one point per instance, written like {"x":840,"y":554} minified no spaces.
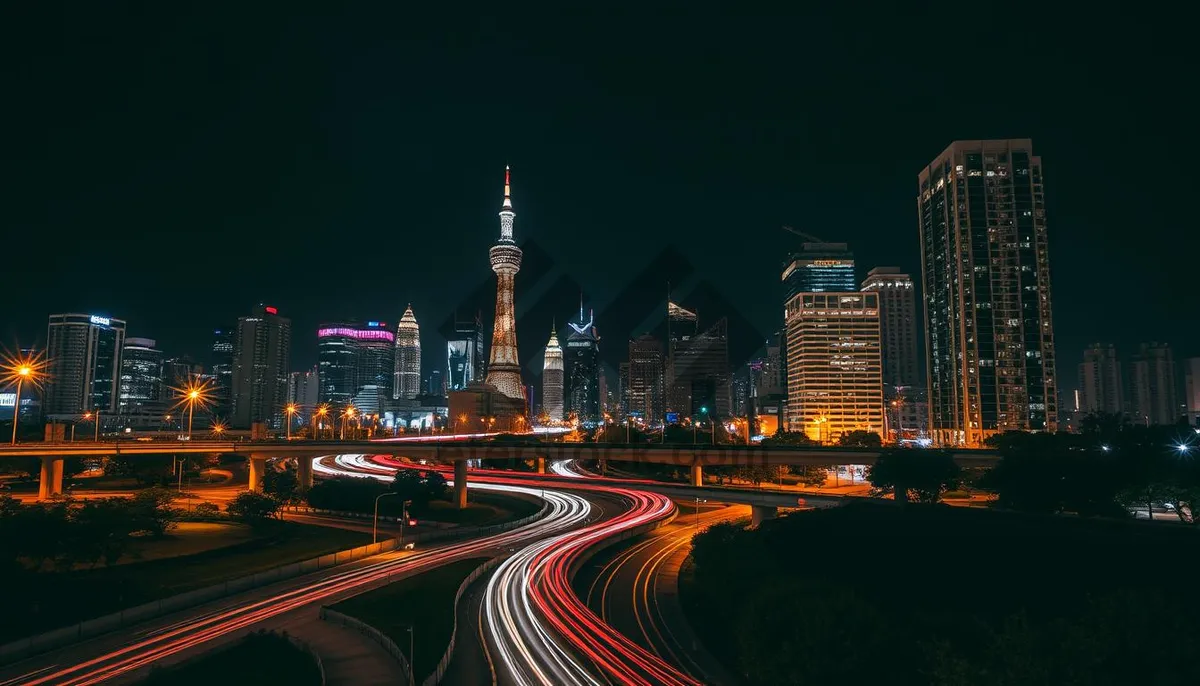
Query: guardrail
{"x":303,"y":509}
{"x":23,"y":648}
{"x":440,"y":671}
{"x":388,"y":645}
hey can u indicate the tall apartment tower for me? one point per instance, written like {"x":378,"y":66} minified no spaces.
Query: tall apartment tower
{"x":221,"y":365}
{"x":261,"y":355}
{"x":1100,"y":381}
{"x":407,"y":382}
{"x":835,"y":380}
{"x":464,"y":354}
{"x":84,"y":364}
{"x":552,"y":379}
{"x":1153,"y":379}
{"x":985,"y":271}
{"x":897,"y":326}
{"x":582,"y":362}
{"x":819,"y":268}
{"x":1191,"y":389}
{"x":646,"y":397}
{"x":504,"y":370}
{"x":141,"y":386}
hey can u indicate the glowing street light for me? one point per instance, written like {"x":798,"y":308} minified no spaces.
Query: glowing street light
{"x":290,"y":411}
{"x":218,"y":429}
{"x":194,"y":392}
{"x":1183,"y":448}
{"x":347,"y":414}
{"x":89,"y":416}
{"x":21,"y":369}
{"x":321,"y":411}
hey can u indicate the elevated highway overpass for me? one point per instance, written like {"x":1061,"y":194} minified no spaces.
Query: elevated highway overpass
{"x":460,"y":452}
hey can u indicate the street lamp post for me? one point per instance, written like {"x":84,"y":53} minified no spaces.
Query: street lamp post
{"x":290,"y":411}
{"x":18,"y":370}
{"x":375,"y":524}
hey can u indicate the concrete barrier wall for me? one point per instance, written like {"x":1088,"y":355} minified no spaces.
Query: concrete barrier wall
{"x":389,"y":646}
{"x":440,"y":672}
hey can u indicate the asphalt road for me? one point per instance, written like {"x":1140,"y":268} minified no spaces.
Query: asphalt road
{"x":634,"y":588}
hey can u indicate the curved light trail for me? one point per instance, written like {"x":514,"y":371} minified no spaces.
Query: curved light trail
{"x":564,"y":511}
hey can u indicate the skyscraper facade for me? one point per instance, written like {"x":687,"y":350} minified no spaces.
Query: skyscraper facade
{"x":407,"y":375}
{"x":141,"y":387}
{"x":465,"y":354}
{"x":504,"y":370}
{"x":645,"y":396}
{"x":221,"y":368}
{"x":986,"y":286}
{"x":83,"y":353}
{"x":552,"y":379}
{"x":261,"y":355}
{"x":697,"y":370}
{"x":1153,"y":379}
{"x":1191,"y":389}
{"x":819,"y":267}
{"x":582,"y":360}
{"x":835,"y":378}
{"x":897,"y":325}
{"x":353,"y":357}
{"x":1100,"y":385}
{"x":304,"y":389}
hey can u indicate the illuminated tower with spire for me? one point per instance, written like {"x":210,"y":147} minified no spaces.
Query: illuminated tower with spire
{"x":504,"y":371}
{"x":552,"y":379}
{"x":407,"y":381}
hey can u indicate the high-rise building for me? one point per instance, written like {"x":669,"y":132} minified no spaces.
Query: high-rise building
{"x":552,"y":379}
{"x":818,"y":268}
{"x":353,"y":357}
{"x":986,"y":287}
{"x":83,"y":353}
{"x":504,"y":370}
{"x":261,"y":355}
{"x":221,"y":368}
{"x":697,"y":369}
{"x":623,"y":389}
{"x":835,"y":378}
{"x":1153,"y":379}
{"x":645,"y":396}
{"x":464,"y":354}
{"x":1191,"y":386}
{"x":436,"y":385}
{"x":407,"y":378}
{"x":898,"y":326}
{"x":582,"y":362}
{"x":1100,"y":381}
{"x":304,"y":389}
{"x":141,"y":377}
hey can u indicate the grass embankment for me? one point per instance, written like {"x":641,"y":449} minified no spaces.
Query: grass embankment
{"x":424,"y":602}
{"x":874,"y":593}
{"x":263,"y":659}
{"x":49,"y":600}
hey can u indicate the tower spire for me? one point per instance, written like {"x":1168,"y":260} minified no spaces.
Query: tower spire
{"x":507,"y":188}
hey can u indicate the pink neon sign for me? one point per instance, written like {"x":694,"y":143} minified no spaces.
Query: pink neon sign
{"x":360,"y":334}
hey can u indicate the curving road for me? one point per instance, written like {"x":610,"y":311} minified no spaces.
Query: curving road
{"x":130,"y":651}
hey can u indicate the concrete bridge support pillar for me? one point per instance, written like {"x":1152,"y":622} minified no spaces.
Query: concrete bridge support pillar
{"x":697,"y":475}
{"x":541,"y":465}
{"x":460,"y":484}
{"x":258,"y":467}
{"x":761,"y":513}
{"x":304,"y":472}
{"x":603,"y":467}
{"x":50,"y":483}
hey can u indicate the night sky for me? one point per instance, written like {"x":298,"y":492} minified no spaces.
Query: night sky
{"x":174,"y":167}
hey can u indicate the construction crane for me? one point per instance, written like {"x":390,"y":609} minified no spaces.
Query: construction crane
{"x":806,"y":236}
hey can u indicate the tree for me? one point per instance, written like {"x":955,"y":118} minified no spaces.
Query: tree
{"x":755,"y":474}
{"x":282,"y":484}
{"x":788,"y":438}
{"x":101,"y":529}
{"x":860,"y":439}
{"x":811,"y":475}
{"x":348,"y":493}
{"x":923,"y":475}
{"x":420,"y":488}
{"x":206,"y":510}
{"x":151,"y":511}
{"x":252,"y":507}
